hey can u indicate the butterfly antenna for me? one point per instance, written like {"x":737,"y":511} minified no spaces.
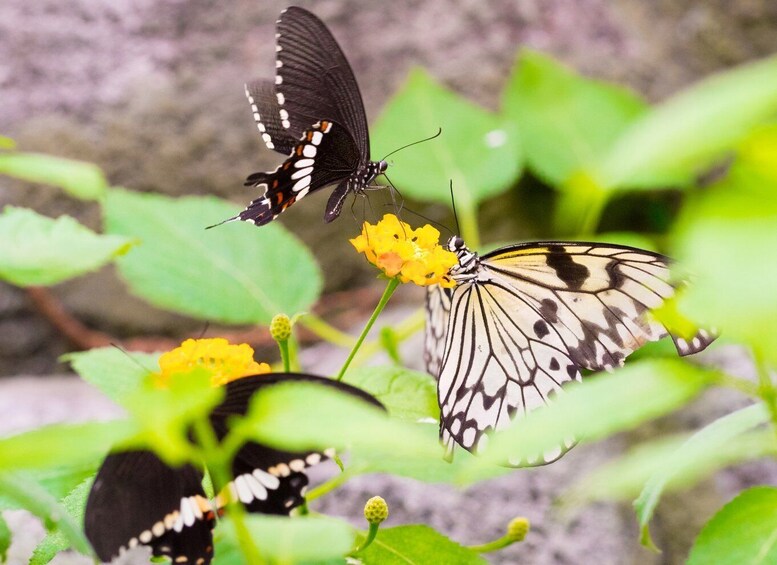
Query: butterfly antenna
{"x":439,"y":131}
{"x":205,"y":329}
{"x":131,"y":358}
{"x":453,"y":205}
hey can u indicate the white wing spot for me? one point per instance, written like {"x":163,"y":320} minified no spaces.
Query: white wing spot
{"x":301,"y":173}
{"x":278,"y":64}
{"x":302,"y":163}
{"x":297,"y":465}
{"x":281,"y":100}
{"x":278,"y":79}
{"x":317,"y":135}
{"x":299,"y":185}
{"x":309,"y":151}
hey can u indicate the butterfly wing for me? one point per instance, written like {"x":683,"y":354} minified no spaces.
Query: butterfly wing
{"x":264,"y":106}
{"x":313,"y":79}
{"x":137,"y":499}
{"x":437,"y":309}
{"x":325,"y":154}
{"x":535,"y":315}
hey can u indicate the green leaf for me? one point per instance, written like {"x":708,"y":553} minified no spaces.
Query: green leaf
{"x":34,"y":498}
{"x":235,"y":273}
{"x":477,"y":150}
{"x":7,"y":143}
{"x":416,"y":544}
{"x":695,"y":456}
{"x":720,"y":238}
{"x":40,"y":251}
{"x":116,"y":373}
{"x":61,"y":445}
{"x":54,"y":542}
{"x":58,"y":481}
{"x":5,"y":539}
{"x":596,"y":408}
{"x":407,"y":395}
{"x":164,"y":416}
{"x":566,"y":121}
{"x":286,"y":540}
{"x":687,"y":132}
{"x":324,"y":418}
{"x":743,"y":531}
{"x":82,"y":180}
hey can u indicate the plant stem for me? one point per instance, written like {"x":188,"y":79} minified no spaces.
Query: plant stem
{"x":592,"y":214}
{"x":468,"y":219}
{"x":390,"y":288}
{"x":370,"y":537}
{"x":218,"y":465}
{"x":495,"y":545}
{"x":283,"y":345}
{"x":325,"y":330}
{"x":330,"y":485}
{"x":408,"y":327}
{"x":766,"y":389}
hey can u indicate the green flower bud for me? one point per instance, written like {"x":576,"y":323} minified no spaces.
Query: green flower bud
{"x":376,"y":510}
{"x":517,"y":529}
{"x":280,"y":327}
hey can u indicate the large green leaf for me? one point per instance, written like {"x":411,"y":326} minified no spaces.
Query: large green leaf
{"x":58,"y":481}
{"x":79,"y":179}
{"x":416,"y":544}
{"x":54,"y":542}
{"x":565,"y":121}
{"x":61,"y":445}
{"x":685,"y":133}
{"x":408,"y":395}
{"x":596,"y":408}
{"x":37,"y":251}
{"x":743,"y":531}
{"x":286,"y":540}
{"x":477,"y":150}
{"x":235,"y":273}
{"x":5,"y":539}
{"x":116,"y":373}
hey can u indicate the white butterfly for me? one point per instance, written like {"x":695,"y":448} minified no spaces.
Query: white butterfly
{"x":522,"y":321}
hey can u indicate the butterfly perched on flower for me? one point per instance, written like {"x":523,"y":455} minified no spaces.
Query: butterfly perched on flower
{"x":137,"y":499}
{"x":313,"y":113}
{"x":522,"y":321}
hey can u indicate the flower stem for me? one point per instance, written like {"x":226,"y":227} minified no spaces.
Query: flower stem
{"x":766,"y":389}
{"x":390,"y":288}
{"x":283,"y":345}
{"x":330,"y":485}
{"x":490,"y":546}
{"x":370,"y":537}
{"x":405,"y":329}
{"x":325,"y":330}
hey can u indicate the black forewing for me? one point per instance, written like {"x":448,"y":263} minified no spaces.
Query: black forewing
{"x":135,"y":490}
{"x":316,"y":81}
{"x":264,"y":106}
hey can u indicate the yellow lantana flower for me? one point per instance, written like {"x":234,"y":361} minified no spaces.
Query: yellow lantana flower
{"x":400,"y":251}
{"x":225,"y":361}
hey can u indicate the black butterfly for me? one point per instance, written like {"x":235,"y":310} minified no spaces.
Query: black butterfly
{"x":137,"y":499}
{"x":314,"y":114}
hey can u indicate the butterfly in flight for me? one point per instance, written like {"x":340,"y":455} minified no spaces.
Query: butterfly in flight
{"x":137,"y":499}
{"x":524,"y":320}
{"x":314,"y":114}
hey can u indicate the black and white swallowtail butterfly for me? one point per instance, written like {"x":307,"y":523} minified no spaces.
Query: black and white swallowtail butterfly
{"x":314,"y":114}
{"x":137,"y":499}
{"x":522,"y":321}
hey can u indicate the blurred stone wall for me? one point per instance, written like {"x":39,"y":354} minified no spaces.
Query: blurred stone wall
{"x":151,"y":90}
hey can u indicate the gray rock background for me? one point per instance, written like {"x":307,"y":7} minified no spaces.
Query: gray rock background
{"x":151,"y":90}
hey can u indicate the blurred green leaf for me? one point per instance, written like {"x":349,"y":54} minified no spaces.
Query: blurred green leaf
{"x":596,"y":408}
{"x":743,"y":531}
{"x":696,"y":456}
{"x":286,"y":540}
{"x":164,"y":416}
{"x":724,"y":238}
{"x":34,"y":498}
{"x":7,"y":143}
{"x":5,"y":539}
{"x":476,"y":149}
{"x":235,"y":273}
{"x":61,"y":445}
{"x":54,"y":542}
{"x":82,"y":180}
{"x":41,"y":251}
{"x":416,"y":544}
{"x":407,"y":395}
{"x":565,"y":121}
{"x":57,"y":480}
{"x":115,"y":372}
{"x":324,"y":418}
{"x":687,"y":132}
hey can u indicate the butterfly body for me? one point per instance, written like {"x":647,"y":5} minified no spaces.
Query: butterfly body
{"x":524,"y":320}
{"x":312,"y":113}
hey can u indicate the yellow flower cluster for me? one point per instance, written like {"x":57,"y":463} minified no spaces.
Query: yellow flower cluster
{"x":225,"y":361}
{"x":400,"y":251}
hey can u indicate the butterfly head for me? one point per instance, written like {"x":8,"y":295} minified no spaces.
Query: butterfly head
{"x":468,"y":260}
{"x":382,"y":166}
